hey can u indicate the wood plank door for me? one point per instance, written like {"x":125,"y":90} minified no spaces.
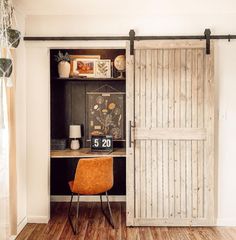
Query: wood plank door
{"x":170,"y":134}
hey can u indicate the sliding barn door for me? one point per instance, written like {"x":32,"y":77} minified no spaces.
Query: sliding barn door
{"x":170,"y":131}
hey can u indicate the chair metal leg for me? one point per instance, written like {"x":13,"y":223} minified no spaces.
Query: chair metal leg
{"x":74,"y":228}
{"x":69,"y":217}
{"x":110,"y":219}
{"x":77,"y":215}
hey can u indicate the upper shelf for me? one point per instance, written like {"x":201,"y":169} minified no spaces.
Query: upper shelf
{"x":88,"y":79}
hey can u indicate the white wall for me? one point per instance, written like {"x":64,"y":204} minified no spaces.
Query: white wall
{"x":154,"y":18}
{"x":21,"y":125}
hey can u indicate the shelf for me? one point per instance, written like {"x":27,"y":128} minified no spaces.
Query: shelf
{"x":88,"y":79}
{"x":86,"y":152}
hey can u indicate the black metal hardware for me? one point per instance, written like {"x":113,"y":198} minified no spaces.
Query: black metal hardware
{"x":130,"y":133}
{"x":113,"y":38}
{"x":131,"y":38}
{"x":75,"y":226}
{"x":110,"y":217}
{"x":79,"y":38}
{"x":207,"y":34}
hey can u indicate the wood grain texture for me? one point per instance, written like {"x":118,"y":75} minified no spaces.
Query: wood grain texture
{"x":86,"y":152}
{"x":130,"y":149}
{"x":174,"y":134}
{"x":93,"y":225}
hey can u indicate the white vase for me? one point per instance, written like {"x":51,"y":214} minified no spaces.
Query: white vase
{"x":64,"y":69}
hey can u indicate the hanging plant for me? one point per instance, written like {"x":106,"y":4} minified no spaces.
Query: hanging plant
{"x":5,"y":67}
{"x":10,"y":36}
{"x":13,"y":37}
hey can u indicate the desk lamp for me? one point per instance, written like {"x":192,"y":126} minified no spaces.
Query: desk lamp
{"x":75,"y":133}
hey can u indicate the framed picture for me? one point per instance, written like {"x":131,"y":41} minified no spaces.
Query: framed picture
{"x":105,"y":114}
{"x":103,"y":68}
{"x":82,"y":59}
{"x":84,"y":67}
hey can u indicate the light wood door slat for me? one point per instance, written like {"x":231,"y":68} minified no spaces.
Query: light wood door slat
{"x":171,"y":133}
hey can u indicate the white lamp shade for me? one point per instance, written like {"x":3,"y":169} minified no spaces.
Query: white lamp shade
{"x":75,"y":131}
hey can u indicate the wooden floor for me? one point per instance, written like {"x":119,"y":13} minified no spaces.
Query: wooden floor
{"x":93,"y":225}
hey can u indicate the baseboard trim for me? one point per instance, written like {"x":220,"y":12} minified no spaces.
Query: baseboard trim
{"x":226,"y":222}
{"x":87,"y":198}
{"x":21,"y":225}
{"x":38,"y":219}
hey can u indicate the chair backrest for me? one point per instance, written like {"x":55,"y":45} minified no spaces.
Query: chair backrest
{"x":93,"y":175}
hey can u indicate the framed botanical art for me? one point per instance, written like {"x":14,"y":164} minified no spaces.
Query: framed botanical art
{"x":105,"y":114}
{"x":103,"y":68}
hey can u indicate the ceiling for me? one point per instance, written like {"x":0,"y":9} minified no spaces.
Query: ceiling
{"x":125,"y":7}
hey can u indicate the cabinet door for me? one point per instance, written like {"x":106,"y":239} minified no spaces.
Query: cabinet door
{"x":170,"y":129}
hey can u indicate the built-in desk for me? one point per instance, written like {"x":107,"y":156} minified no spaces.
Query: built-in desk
{"x":64,"y":162}
{"x":86,"y":152}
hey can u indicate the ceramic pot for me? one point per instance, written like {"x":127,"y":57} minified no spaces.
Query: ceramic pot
{"x":13,"y":37}
{"x":5,"y":67}
{"x":64,"y":69}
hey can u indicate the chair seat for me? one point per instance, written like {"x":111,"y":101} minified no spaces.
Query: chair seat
{"x":89,"y":190}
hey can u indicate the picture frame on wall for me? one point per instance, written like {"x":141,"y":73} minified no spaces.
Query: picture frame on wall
{"x":103,"y":68}
{"x":83,"y":65}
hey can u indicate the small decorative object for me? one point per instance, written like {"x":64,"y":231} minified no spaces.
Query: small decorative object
{"x":74,"y":57}
{"x":101,"y":143}
{"x":103,"y":68}
{"x":58,"y":144}
{"x":119,"y":64}
{"x":75,"y":133}
{"x":84,"y":67}
{"x":63,"y":64}
{"x":106,"y":112}
{"x":112,"y":69}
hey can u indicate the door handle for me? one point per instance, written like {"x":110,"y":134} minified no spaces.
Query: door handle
{"x":130,"y":134}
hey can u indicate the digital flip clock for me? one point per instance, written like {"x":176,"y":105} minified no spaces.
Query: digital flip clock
{"x":101,"y":143}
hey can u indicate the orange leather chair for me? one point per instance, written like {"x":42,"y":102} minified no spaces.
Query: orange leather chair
{"x":92,"y":176}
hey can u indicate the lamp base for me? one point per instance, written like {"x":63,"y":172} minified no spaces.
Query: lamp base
{"x":75,"y":144}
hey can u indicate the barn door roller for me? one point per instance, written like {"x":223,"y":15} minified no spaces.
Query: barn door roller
{"x":207,"y":34}
{"x":131,"y":39}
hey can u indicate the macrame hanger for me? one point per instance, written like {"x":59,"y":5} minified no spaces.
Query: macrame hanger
{"x":2,"y":118}
{"x":106,"y":88}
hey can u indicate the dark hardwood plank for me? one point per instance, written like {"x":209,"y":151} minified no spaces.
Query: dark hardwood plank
{"x":94,"y":226}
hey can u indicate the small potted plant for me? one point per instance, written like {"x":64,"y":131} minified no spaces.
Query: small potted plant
{"x":5,"y":67}
{"x":12,"y":35}
{"x":63,"y":64}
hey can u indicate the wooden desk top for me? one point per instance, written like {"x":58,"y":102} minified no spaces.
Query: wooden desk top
{"x":86,"y":152}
